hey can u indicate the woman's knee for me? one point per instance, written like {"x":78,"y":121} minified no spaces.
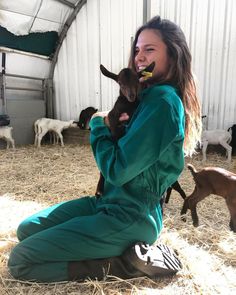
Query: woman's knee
{"x":15,"y":264}
{"x":28,"y":227}
{"x":23,"y":230}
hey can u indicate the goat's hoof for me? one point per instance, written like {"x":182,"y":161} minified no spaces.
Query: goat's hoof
{"x":183,"y":218}
{"x":232,"y":227}
{"x":195,"y":224}
{"x":98,"y":194}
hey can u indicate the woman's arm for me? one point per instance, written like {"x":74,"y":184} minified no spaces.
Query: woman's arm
{"x":150,"y":134}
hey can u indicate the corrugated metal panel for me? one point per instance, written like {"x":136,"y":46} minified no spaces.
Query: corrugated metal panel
{"x":210,"y":29}
{"x":101,"y":33}
{"x":28,"y":66}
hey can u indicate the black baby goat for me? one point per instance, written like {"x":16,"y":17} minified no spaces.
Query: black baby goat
{"x":126,"y":102}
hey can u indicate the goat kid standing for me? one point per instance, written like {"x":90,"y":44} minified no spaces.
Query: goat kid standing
{"x":6,"y":134}
{"x":43,"y":125}
{"x":215,"y":137}
{"x":212,"y":180}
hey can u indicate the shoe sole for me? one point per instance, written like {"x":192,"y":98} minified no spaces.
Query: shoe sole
{"x":154,"y":261}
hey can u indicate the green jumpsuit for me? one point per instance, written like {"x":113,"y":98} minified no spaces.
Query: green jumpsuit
{"x":137,"y":170}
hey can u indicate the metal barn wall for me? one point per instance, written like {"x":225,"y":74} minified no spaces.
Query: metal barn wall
{"x":210,"y":29}
{"x":102,"y":33}
{"x":24,"y":107}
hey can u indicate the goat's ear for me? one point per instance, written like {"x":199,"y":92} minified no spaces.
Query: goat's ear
{"x":108,"y":73}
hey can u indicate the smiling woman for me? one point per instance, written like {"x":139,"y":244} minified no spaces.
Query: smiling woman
{"x":138,"y":169}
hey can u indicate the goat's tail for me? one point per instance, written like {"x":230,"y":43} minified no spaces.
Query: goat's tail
{"x":36,"y":126}
{"x":192,"y":170}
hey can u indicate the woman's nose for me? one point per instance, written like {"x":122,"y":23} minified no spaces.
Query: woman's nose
{"x":139,"y":56}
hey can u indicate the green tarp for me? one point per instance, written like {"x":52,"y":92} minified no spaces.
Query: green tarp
{"x":39,"y":43}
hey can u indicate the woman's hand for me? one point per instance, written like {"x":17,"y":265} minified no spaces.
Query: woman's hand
{"x":100,"y":114}
{"x":124,"y":117}
{"x":104,"y":114}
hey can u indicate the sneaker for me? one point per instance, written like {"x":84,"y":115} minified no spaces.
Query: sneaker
{"x":153,"y":261}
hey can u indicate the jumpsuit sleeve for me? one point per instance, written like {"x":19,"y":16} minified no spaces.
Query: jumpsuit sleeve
{"x":150,"y":134}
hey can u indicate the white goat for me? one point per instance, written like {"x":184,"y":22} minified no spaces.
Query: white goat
{"x":54,"y":138}
{"x":43,"y":125}
{"x":217,"y":136}
{"x":6,"y":134}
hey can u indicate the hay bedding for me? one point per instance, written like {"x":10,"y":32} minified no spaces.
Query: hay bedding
{"x":33,"y":179}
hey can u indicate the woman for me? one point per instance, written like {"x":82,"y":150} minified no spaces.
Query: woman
{"x":137,"y":169}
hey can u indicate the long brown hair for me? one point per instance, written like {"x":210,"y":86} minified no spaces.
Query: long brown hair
{"x":179,"y":75}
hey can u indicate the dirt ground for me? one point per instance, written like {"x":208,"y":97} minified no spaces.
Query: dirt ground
{"x":32,"y":179}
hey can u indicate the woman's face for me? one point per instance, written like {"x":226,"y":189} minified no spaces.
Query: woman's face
{"x":149,"y":48}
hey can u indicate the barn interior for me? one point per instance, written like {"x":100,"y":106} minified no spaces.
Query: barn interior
{"x":50,"y":52}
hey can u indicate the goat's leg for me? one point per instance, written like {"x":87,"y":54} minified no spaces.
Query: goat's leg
{"x":230,"y":201}
{"x":191,"y":203}
{"x":12,"y":143}
{"x":186,"y":204}
{"x":196,"y":197}
{"x":176,"y":186}
{"x":184,"y":209}
{"x":228,"y":150}
{"x":193,"y":210}
{"x":8,"y":143}
{"x":194,"y":215}
{"x":168,"y":193}
{"x":50,"y":137}
{"x":232,"y":224}
{"x":100,"y":186}
{"x":40,"y":136}
{"x":36,"y":131}
{"x":56,"y":138}
{"x":36,"y":139}
{"x":204,"y":150}
{"x":61,"y":138}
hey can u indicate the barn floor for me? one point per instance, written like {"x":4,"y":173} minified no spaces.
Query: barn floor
{"x":32,"y":179}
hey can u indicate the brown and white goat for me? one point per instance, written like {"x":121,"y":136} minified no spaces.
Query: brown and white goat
{"x":212,"y":180}
{"x":126,"y":102}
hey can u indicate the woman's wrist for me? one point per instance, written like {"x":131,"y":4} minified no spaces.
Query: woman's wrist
{"x":106,"y":121}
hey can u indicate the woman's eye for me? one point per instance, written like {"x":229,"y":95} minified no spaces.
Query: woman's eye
{"x":149,"y":49}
